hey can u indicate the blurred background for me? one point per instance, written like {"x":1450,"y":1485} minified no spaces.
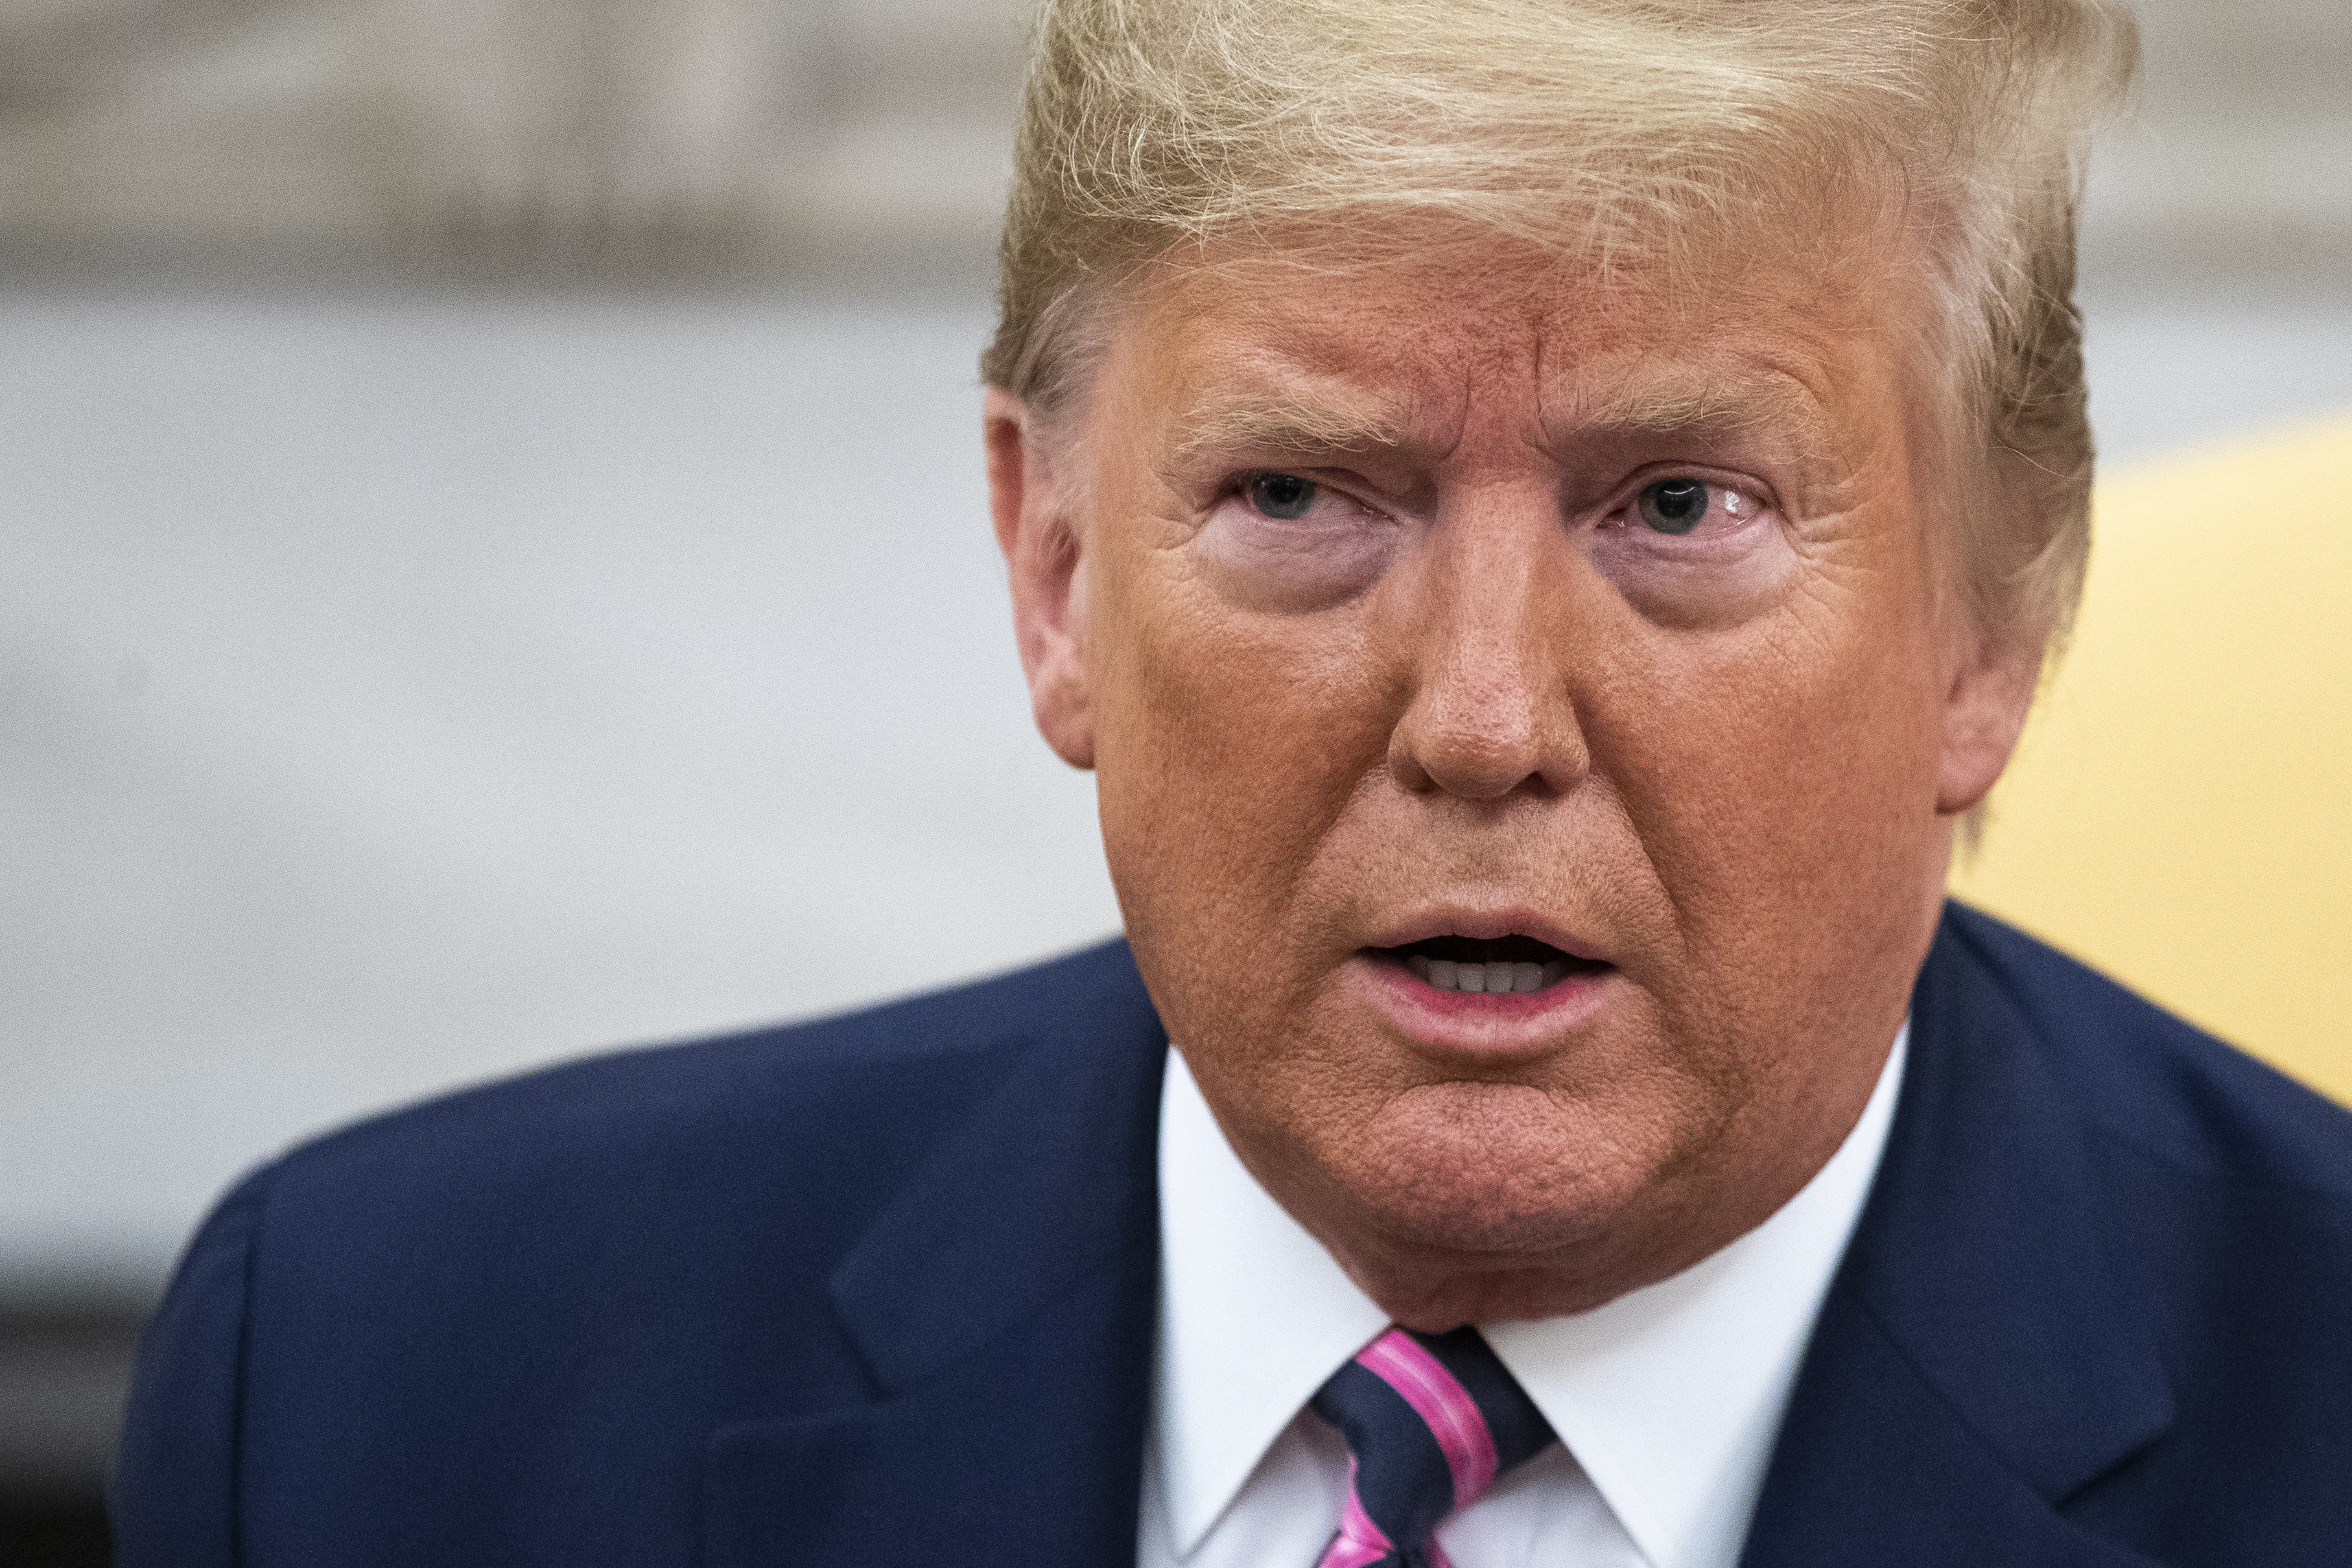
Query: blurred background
{"x":493,"y":562}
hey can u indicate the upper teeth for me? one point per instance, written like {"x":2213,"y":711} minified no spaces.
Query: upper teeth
{"x":1492,"y":978}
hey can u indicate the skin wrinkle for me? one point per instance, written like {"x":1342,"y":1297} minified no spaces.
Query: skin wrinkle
{"x":1745,"y":809}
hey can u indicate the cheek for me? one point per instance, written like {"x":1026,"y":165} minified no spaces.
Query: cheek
{"x":1229,"y":739}
{"x":1781,"y":779}
{"x":1789,"y":680}
{"x":1814,"y":710}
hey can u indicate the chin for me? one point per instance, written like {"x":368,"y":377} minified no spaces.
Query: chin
{"x":1493,"y":1172}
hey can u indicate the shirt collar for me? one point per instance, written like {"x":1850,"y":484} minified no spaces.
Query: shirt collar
{"x":1670,"y":1397}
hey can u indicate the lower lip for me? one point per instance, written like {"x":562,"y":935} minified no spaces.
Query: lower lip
{"x":1475,"y":1023}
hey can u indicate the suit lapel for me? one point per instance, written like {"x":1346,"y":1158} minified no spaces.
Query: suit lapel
{"x":1004,"y":1305}
{"x":1983,"y":1354}
{"x":1875,"y":1466}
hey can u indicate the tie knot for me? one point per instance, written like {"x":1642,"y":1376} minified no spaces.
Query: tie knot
{"x":1431,"y":1420}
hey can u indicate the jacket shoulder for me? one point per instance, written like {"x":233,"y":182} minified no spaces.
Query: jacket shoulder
{"x":581,"y":1273}
{"x":2157,"y":1083}
{"x":847,"y":1079}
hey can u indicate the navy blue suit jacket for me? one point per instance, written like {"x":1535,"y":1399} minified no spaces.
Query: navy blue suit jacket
{"x":880,"y":1290}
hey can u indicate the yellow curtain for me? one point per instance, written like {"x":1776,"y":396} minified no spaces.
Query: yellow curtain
{"x":2180,"y":813}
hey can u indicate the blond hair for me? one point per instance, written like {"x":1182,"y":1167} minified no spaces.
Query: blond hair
{"x":1635,"y":133}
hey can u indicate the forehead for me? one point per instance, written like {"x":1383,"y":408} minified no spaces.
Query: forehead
{"x":1329,"y":356}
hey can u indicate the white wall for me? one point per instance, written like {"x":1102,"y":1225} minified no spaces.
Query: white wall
{"x":402,"y":691}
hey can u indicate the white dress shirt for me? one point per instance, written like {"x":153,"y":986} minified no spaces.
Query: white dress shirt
{"x":1666,"y":1401}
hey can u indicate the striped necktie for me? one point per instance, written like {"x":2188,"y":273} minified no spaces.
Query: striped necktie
{"x":1431,"y":1421}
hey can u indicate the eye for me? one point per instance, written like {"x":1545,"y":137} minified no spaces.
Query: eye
{"x":1673,"y":506}
{"x":1283,"y":496}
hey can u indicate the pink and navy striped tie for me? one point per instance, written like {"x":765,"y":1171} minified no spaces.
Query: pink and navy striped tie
{"x":1431,"y":1421}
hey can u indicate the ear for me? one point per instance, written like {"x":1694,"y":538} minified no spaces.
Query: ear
{"x":1041,"y":554}
{"x":1985,"y":705}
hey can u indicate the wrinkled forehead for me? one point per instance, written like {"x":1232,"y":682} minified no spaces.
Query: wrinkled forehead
{"x":1260,"y":348}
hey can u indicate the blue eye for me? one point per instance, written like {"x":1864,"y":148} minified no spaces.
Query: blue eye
{"x":1283,"y":496}
{"x":1673,"y":506}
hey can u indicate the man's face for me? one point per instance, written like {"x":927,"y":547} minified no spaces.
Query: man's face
{"x":1525,"y":720}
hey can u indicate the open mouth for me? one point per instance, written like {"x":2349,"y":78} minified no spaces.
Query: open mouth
{"x":1520,"y":966}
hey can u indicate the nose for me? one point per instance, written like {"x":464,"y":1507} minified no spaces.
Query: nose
{"x":1491,"y":710}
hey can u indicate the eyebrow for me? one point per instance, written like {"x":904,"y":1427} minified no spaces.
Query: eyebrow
{"x":1747,"y":402}
{"x":1289,"y":425}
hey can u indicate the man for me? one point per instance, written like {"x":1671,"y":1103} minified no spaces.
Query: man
{"x":1545,"y":519}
